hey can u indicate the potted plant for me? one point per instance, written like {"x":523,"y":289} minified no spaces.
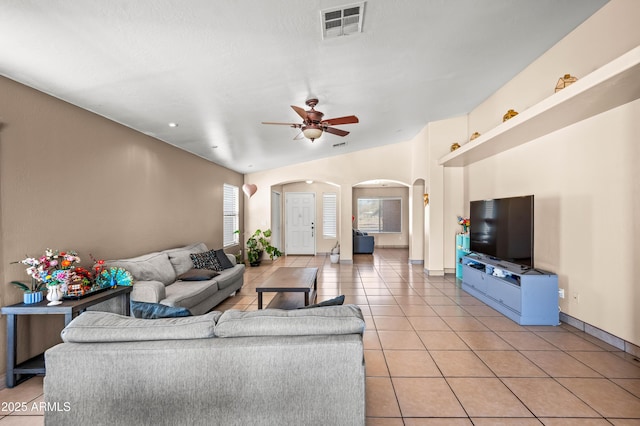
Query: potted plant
{"x":33,"y":292}
{"x":335,"y":253}
{"x":259,"y":243}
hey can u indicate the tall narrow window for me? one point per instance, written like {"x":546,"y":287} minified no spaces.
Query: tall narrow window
{"x":329,"y":215}
{"x":231,"y":214}
{"x":380,"y":215}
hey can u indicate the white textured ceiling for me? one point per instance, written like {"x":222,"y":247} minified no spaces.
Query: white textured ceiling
{"x":219,"y":68}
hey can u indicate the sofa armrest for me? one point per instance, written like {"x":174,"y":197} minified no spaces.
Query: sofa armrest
{"x":148,"y":291}
{"x":232,"y":258}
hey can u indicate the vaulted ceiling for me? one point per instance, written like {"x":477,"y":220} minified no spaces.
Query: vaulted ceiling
{"x":220,"y":68}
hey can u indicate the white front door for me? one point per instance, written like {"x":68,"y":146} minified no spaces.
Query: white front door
{"x":300,"y":223}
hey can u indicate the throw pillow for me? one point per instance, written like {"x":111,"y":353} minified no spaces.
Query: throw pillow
{"x":224,"y":261}
{"x":206,"y":260}
{"x":156,"y":310}
{"x":336,"y":301}
{"x":198,"y":275}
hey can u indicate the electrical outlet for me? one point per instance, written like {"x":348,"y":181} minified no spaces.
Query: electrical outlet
{"x":561,"y":293}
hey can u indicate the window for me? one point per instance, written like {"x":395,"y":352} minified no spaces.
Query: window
{"x":231,"y":215}
{"x":380,"y":215}
{"x":329,"y":215}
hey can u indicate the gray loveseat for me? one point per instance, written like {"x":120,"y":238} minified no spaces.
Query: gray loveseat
{"x":267,"y":367}
{"x":156,"y":279}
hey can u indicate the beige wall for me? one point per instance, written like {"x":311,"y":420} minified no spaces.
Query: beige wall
{"x":391,"y":162}
{"x":70,"y":179}
{"x":584,"y":177}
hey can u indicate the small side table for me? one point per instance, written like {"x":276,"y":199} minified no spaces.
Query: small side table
{"x":69,"y":308}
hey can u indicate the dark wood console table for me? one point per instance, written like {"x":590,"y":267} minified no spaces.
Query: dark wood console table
{"x":69,"y":308}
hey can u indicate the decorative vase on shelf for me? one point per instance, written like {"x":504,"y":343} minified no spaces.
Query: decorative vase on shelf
{"x":54,"y":295}
{"x":565,"y":81}
{"x":510,"y":114}
{"x":32,"y":297}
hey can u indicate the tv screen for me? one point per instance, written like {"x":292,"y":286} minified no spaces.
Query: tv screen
{"x":503,"y":228}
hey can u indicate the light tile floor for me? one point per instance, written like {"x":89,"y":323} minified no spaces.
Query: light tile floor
{"x":437,"y":356}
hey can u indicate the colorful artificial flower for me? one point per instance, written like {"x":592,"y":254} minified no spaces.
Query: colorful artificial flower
{"x":465,"y":222}
{"x":51,"y":269}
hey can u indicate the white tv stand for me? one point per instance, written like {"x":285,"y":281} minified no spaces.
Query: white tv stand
{"x":527,"y":296}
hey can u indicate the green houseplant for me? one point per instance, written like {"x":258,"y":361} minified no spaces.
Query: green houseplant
{"x":259,"y":243}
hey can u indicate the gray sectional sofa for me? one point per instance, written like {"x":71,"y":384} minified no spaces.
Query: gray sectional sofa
{"x":267,"y":367}
{"x":157,"y":280}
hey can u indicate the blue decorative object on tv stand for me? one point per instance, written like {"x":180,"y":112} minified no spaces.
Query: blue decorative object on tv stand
{"x":462,"y":249}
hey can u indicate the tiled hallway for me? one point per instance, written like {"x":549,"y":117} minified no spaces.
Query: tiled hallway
{"x":437,"y":356}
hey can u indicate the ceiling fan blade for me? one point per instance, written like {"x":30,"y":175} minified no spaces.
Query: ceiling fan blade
{"x":301,"y":112}
{"x":335,"y":131}
{"x":348,"y":119}
{"x":295,"y":125}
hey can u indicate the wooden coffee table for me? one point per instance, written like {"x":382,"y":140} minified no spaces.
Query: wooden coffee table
{"x":287,"y":281}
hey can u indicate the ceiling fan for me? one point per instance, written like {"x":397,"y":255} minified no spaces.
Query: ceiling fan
{"x":313,"y":125}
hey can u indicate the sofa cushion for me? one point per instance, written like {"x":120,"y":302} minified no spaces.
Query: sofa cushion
{"x":156,"y":310}
{"x":189,"y":293}
{"x":96,"y":327}
{"x":229,"y":277}
{"x":198,"y":275}
{"x":149,"y":267}
{"x":346,"y":319}
{"x":223,"y":260}
{"x":206,"y":260}
{"x":180,"y":259}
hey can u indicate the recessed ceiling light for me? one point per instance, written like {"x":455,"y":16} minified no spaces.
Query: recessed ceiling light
{"x":173,"y":124}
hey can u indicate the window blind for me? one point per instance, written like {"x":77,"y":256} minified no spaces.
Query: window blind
{"x":329,"y":215}
{"x":230,"y":211}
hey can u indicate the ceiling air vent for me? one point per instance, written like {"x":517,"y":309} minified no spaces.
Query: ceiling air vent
{"x":342,"y":21}
{"x":339,"y":145}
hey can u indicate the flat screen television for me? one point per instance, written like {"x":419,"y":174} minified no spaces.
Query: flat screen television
{"x":502,"y":228}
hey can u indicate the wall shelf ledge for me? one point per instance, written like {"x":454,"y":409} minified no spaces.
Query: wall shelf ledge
{"x":612,"y":85}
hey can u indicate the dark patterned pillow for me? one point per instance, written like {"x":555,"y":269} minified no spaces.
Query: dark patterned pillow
{"x":223,"y":260}
{"x":336,"y":301}
{"x":206,"y":260}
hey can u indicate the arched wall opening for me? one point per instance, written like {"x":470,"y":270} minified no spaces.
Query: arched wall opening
{"x":325,"y":231}
{"x":401,"y":201}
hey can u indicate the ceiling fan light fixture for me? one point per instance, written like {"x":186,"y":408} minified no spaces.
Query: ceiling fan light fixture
{"x":312,"y":132}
